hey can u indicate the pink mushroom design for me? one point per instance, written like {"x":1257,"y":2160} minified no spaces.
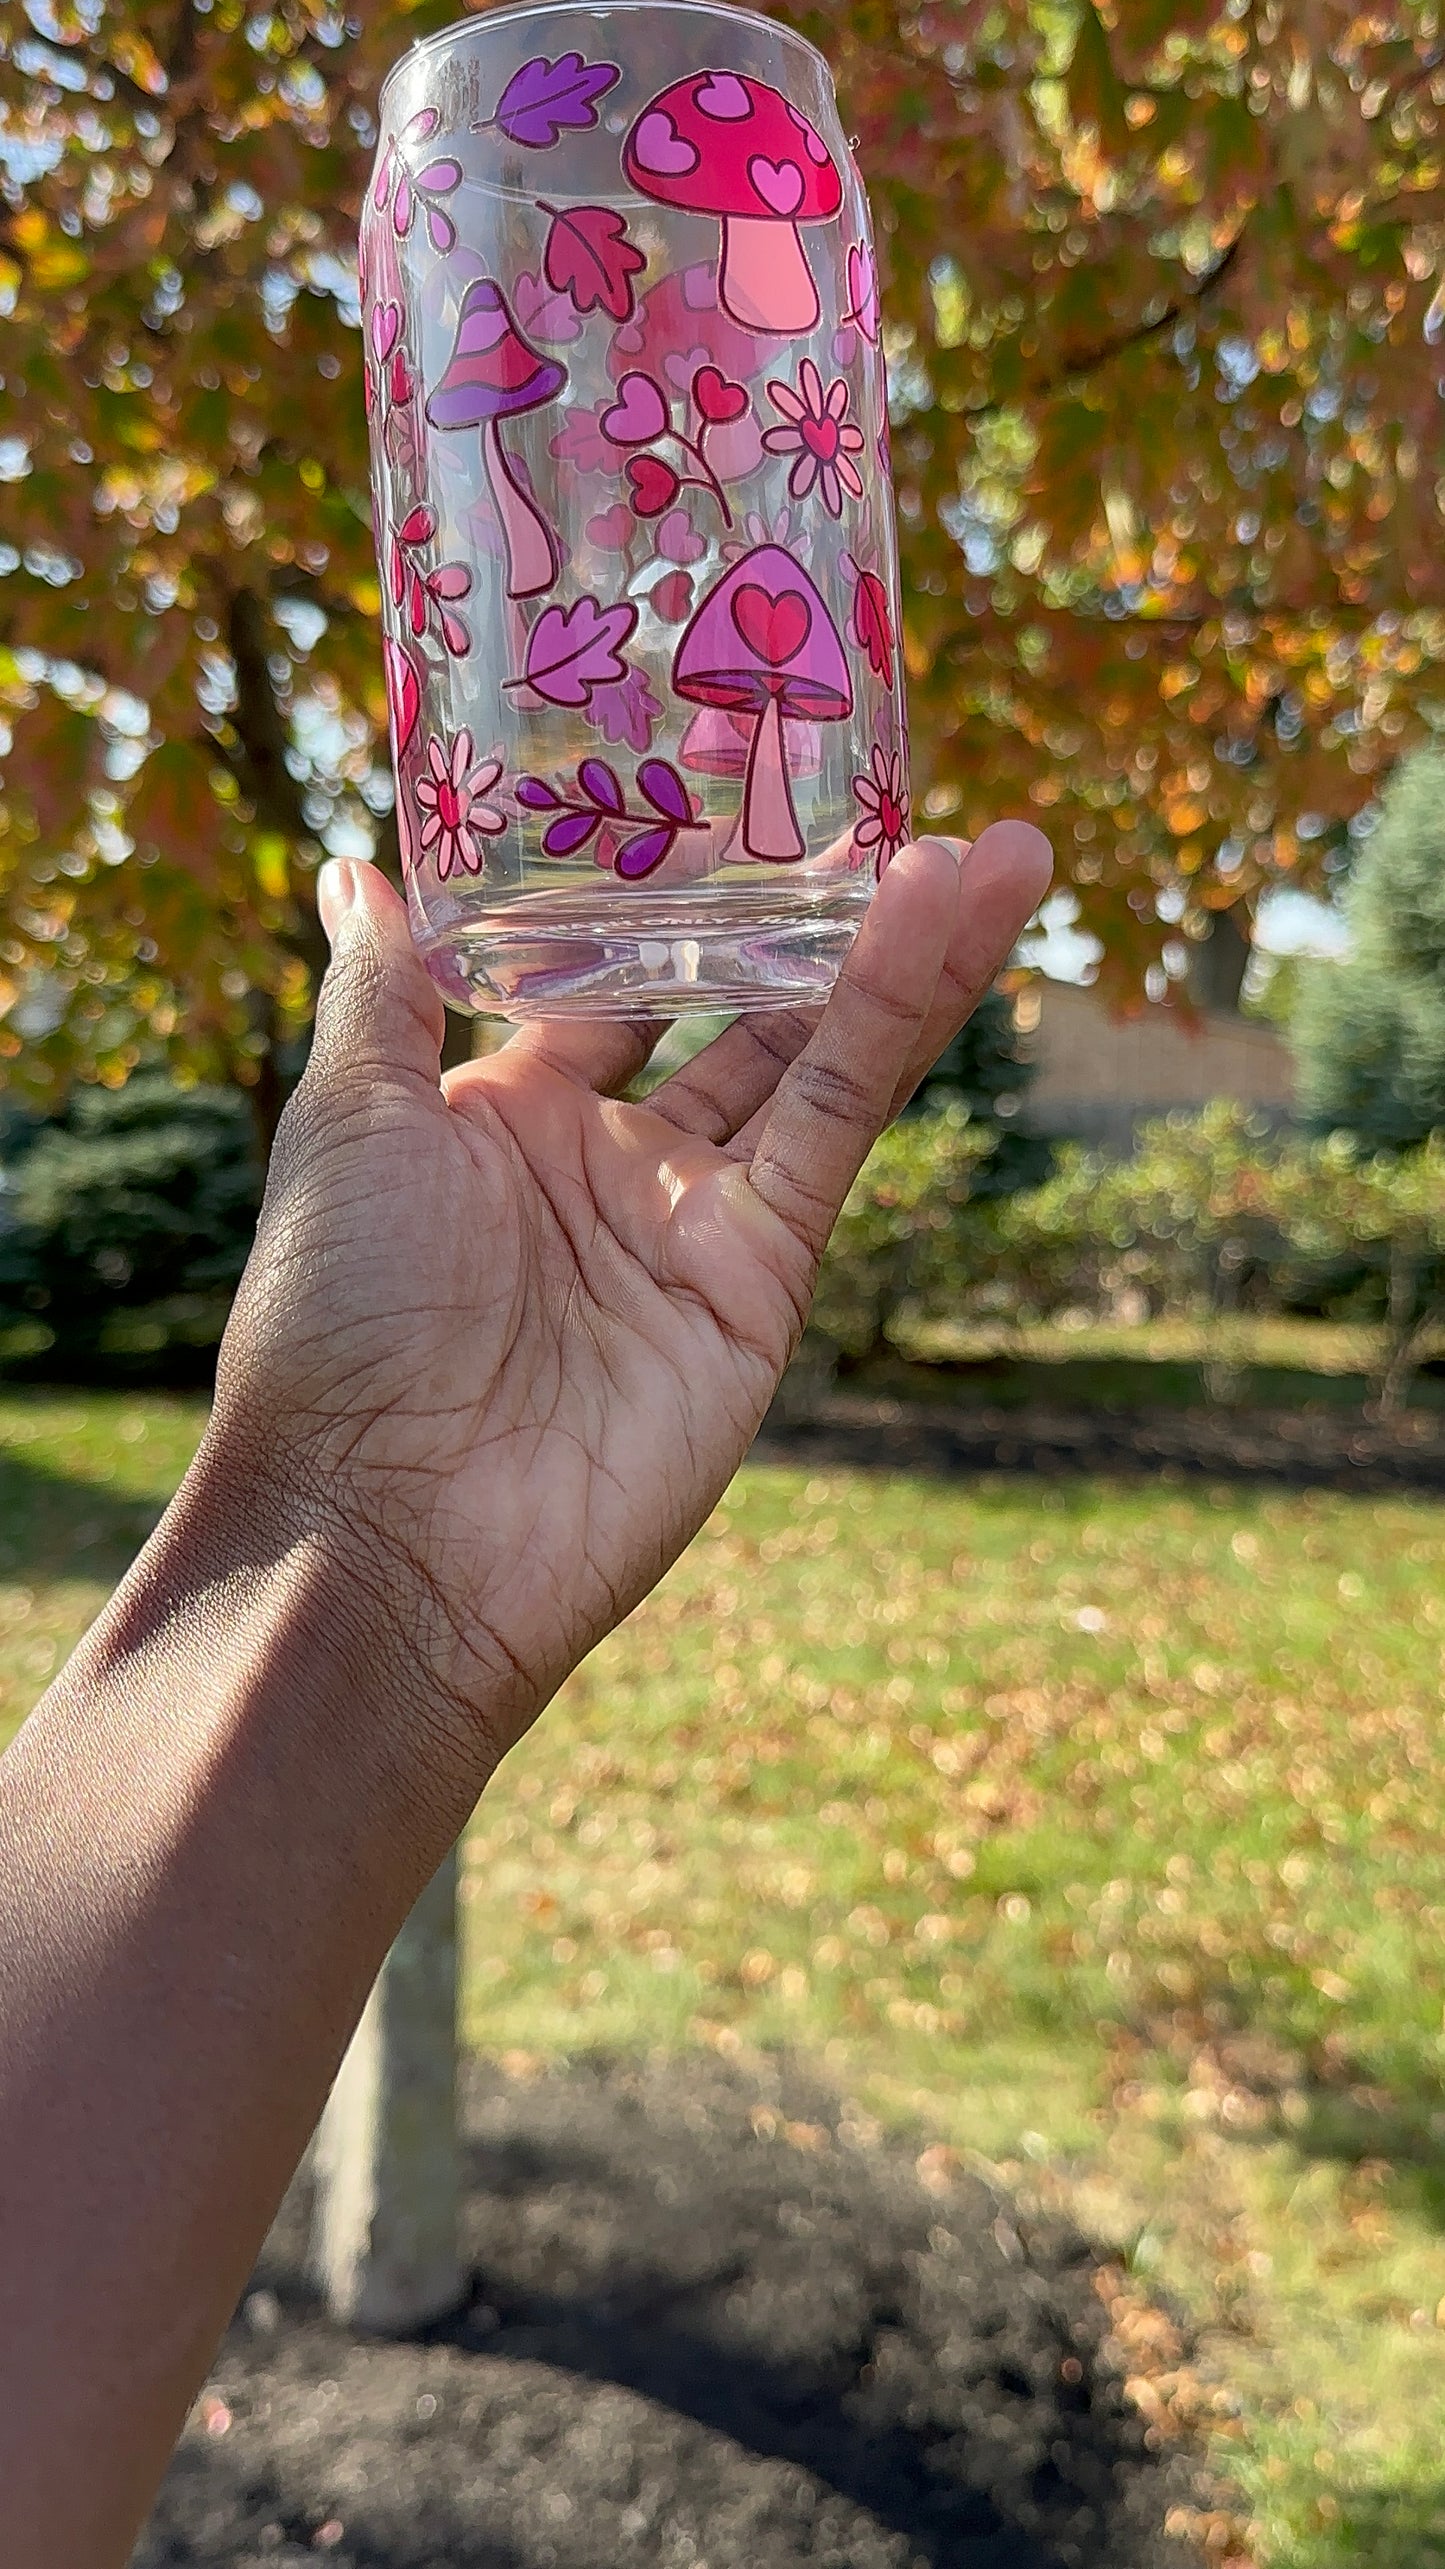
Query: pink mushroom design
{"x":763,"y":644}
{"x":493,"y":374}
{"x":716,"y":143}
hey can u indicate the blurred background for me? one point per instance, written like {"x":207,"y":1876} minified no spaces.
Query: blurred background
{"x":1043,"y":1742}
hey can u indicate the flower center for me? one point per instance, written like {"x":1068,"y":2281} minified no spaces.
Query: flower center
{"x":449,"y":806}
{"x":890,"y":811}
{"x":822,"y":436}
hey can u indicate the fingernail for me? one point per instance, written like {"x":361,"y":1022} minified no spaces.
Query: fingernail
{"x":336,"y":893}
{"x":951,"y":847}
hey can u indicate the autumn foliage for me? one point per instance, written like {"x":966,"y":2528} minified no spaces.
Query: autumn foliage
{"x":1164,"y":288}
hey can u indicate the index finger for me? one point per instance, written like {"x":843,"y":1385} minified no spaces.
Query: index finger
{"x":832,"y":1103}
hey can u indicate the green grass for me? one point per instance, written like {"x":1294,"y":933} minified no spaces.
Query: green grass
{"x":1093,"y":1831}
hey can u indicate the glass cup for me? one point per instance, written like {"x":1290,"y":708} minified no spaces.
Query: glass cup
{"x":629,"y":437}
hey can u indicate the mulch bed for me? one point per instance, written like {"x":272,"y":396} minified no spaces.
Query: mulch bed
{"x":1323,"y":1448}
{"x":717,"y":2325}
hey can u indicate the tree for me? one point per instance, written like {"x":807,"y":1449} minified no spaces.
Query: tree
{"x":1164,"y":289}
{"x":128,"y":1221}
{"x":1369,"y":1031}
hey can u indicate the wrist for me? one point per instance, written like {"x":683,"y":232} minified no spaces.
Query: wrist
{"x":277,"y":1627}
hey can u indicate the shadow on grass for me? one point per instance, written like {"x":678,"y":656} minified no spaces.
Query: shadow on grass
{"x":57,"y":1526}
{"x":1057,"y":1422}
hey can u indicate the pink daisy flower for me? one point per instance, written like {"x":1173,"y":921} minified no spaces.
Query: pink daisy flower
{"x":452,"y":797}
{"x":882,"y":800}
{"x":821,"y":435}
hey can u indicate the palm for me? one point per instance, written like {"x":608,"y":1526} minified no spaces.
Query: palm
{"x":523,"y":1333}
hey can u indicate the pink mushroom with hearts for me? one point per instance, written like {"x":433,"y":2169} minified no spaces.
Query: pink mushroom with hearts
{"x":493,"y":374}
{"x":763,"y":644}
{"x":721,"y":145}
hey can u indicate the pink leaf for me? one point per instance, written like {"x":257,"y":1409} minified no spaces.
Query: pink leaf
{"x":580,"y":442}
{"x":543,"y":315}
{"x":456,"y":635}
{"x":629,"y":712}
{"x":452,"y":580}
{"x":418,"y":526}
{"x":590,"y":257}
{"x":575,"y":649}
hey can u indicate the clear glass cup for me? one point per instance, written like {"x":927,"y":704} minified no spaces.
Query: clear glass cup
{"x":634,"y":520}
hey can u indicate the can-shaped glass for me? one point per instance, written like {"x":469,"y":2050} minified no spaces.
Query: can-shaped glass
{"x":634,"y":518}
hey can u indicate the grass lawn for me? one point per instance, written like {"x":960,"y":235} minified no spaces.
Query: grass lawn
{"x":1091,"y":1830}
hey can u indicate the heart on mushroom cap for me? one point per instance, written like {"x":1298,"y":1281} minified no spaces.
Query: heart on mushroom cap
{"x":724,"y":98}
{"x":774,"y":629}
{"x":660,"y":148}
{"x":780,"y":185}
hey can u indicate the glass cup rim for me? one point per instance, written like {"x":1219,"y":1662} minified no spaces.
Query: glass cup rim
{"x":525,"y":9}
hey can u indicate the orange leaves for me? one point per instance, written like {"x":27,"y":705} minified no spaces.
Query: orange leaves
{"x":172,"y":810}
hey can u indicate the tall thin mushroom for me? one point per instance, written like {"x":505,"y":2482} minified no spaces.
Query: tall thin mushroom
{"x":493,"y":374}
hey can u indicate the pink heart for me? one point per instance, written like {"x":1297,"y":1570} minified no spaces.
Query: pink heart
{"x":385,"y":329}
{"x":780,"y":184}
{"x":638,"y":415}
{"x":724,"y":98}
{"x":813,"y":143}
{"x":611,"y":531}
{"x":658,"y":146}
{"x":774,"y":629}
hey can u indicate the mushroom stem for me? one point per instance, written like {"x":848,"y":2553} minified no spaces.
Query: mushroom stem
{"x":770,"y":823}
{"x":533,"y":561}
{"x":764,"y":280}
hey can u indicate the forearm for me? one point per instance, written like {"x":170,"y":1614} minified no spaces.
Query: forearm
{"x":209,"y":1832}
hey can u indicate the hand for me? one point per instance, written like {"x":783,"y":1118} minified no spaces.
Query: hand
{"x":507,"y":1337}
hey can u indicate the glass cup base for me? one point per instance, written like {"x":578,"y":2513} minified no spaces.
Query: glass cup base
{"x":661,"y":955}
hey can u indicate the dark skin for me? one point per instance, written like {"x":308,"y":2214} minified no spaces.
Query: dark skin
{"x":503,"y":1342}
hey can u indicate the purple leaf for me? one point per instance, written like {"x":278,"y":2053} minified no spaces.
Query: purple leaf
{"x":535,"y":795}
{"x":545,"y":100}
{"x":440,"y":177}
{"x":441,"y":230}
{"x":643,"y":854}
{"x":601,"y":785}
{"x":665,"y":791}
{"x":572,"y":832}
{"x":575,"y":649}
{"x":628,"y":712}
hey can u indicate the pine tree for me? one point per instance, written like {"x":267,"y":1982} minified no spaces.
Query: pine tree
{"x":1369,"y":1032}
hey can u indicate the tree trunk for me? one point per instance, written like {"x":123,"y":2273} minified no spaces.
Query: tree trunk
{"x":386,"y":2161}
{"x":1217,"y":965}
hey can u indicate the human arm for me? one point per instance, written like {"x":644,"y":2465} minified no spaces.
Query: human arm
{"x":501,"y":1346}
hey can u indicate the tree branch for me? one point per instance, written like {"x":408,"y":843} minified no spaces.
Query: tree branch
{"x":1079,"y":369}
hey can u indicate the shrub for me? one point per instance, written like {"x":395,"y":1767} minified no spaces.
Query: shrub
{"x":1369,"y":1032}
{"x":909,"y":1233}
{"x":126,"y":1224}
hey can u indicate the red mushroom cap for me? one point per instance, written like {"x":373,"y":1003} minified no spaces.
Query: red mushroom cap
{"x":493,"y":372}
{"x":763,"y":632}
{"x":717,"y":143}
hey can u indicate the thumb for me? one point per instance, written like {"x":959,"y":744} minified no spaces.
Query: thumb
{"x":378,"y":1007}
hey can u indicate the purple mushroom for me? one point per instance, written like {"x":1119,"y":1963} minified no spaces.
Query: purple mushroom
{"x":763,"y":644}
{"x":718,"y":144}
{"x":493,"y":374}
